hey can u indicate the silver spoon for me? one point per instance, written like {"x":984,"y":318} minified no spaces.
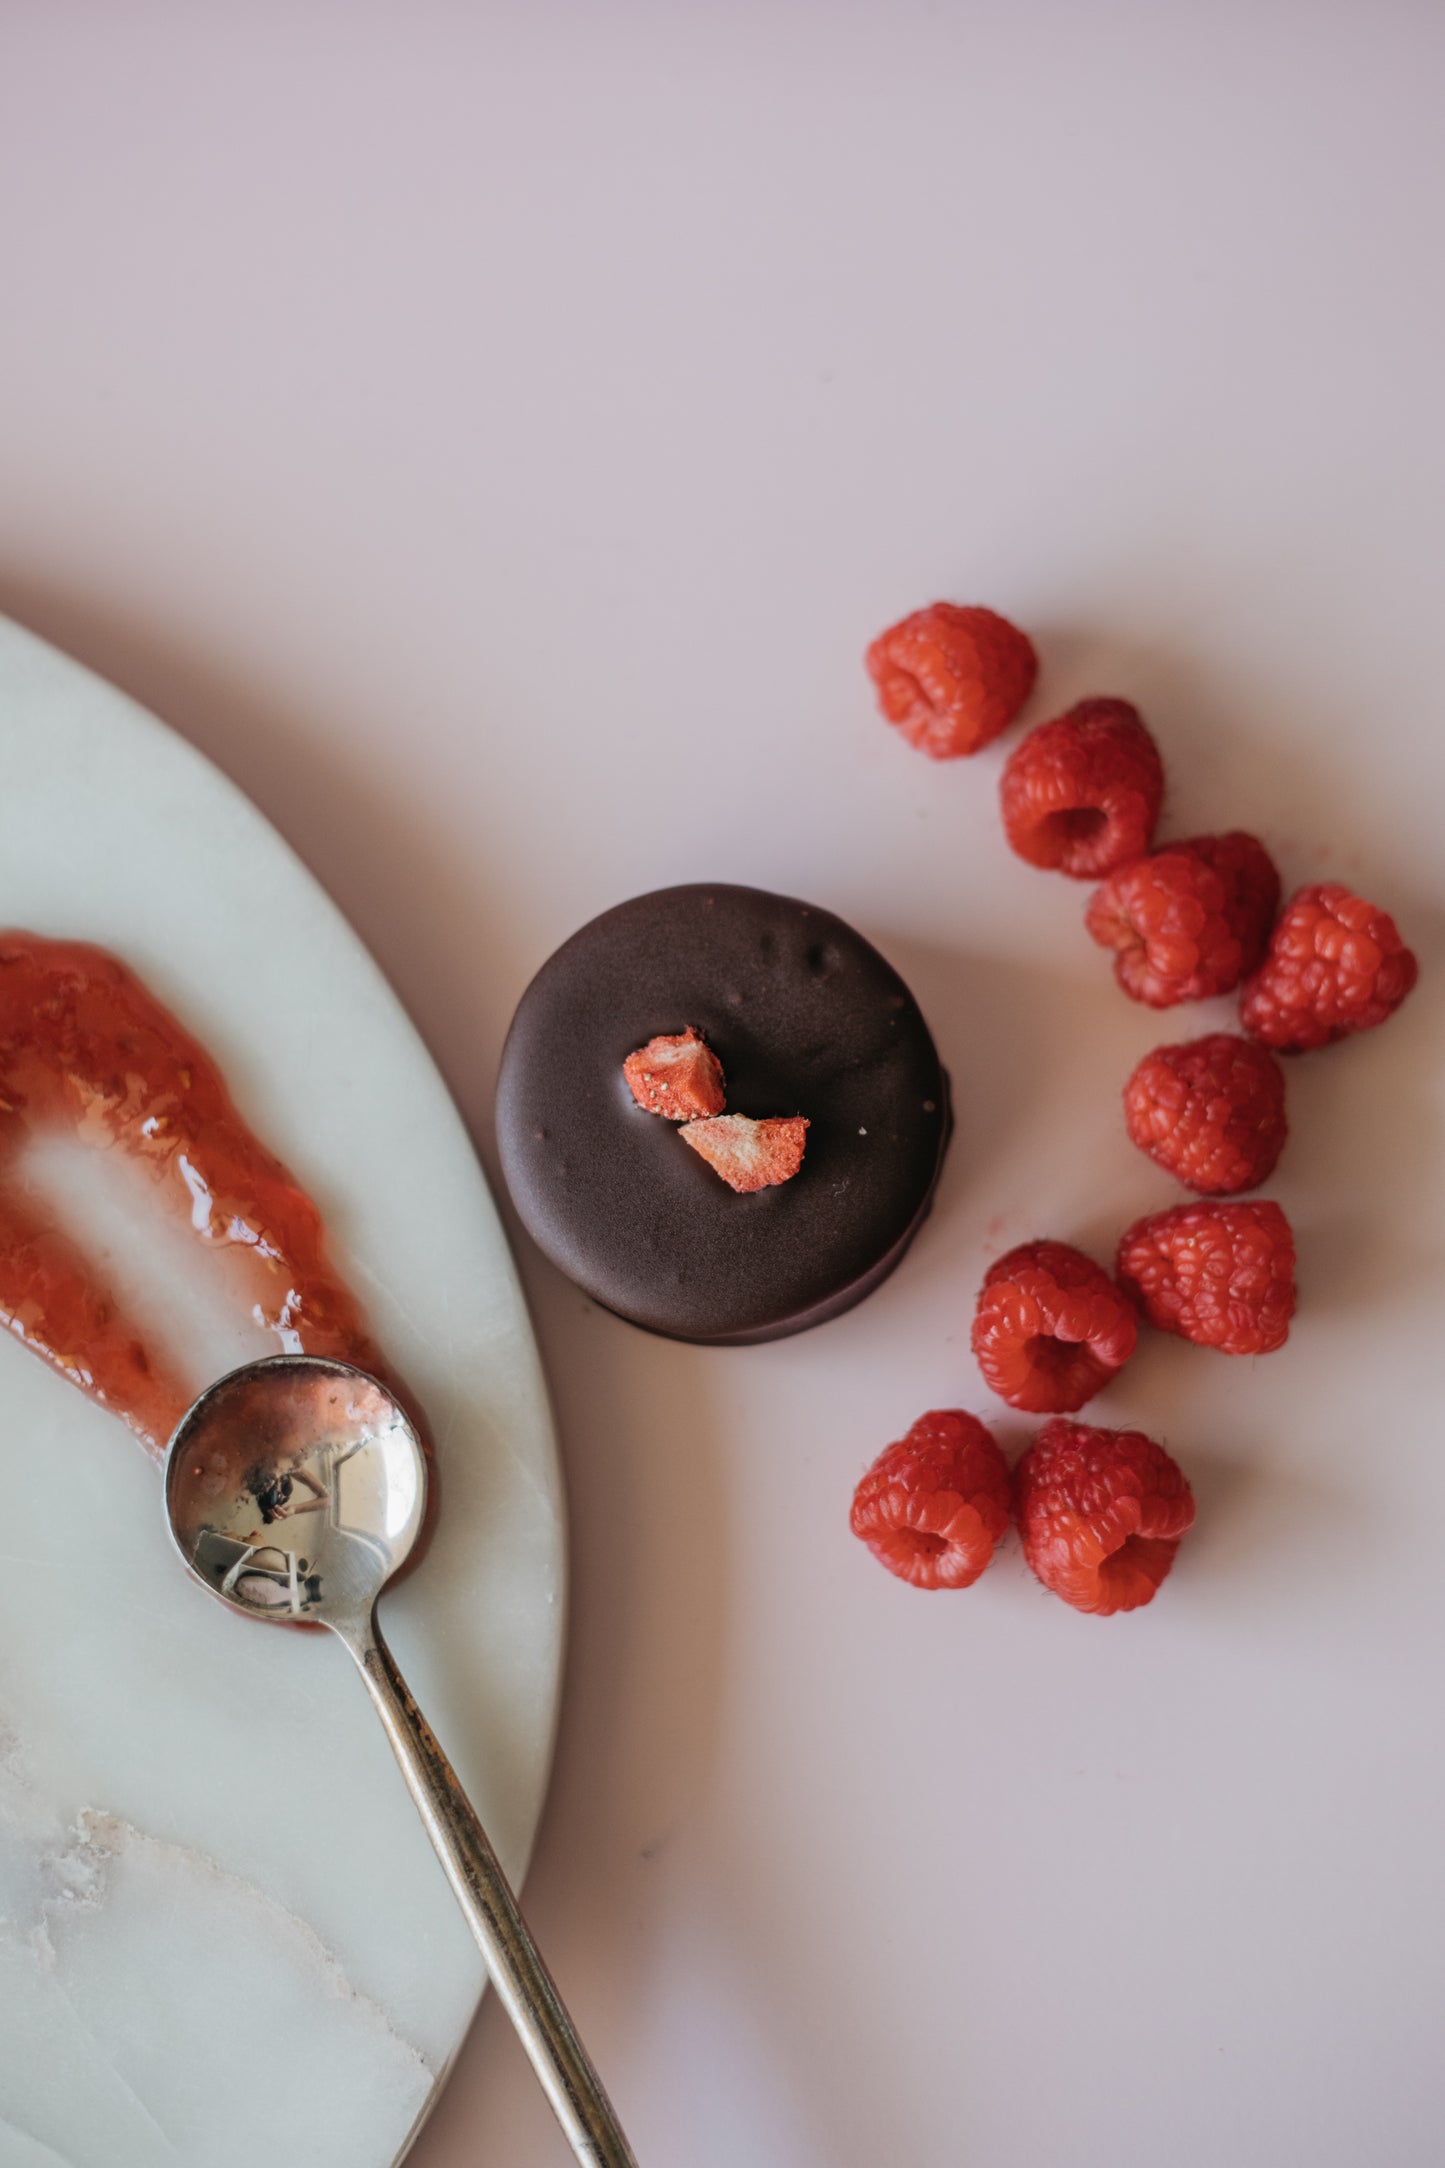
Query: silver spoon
{"x":295,"y":1488}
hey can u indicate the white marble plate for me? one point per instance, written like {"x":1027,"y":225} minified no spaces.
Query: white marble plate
{"x":223,"y":1937}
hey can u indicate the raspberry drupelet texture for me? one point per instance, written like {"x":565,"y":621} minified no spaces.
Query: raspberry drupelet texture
{"x":1221,"y":1275}
{"x":1190,"y":921}
{"x":1083,"y":792}
{"x":1251,"y":884}
{"x":950,"y":678}
{"x":678,"y":1076}
{"x":1211,"y":1111}
{"x":1051,"y":1327}
{"x":1101,"y":1513}
{"x":1335,"y":965}
{"x":749,"y":1155}
{"x":932,"y":1507}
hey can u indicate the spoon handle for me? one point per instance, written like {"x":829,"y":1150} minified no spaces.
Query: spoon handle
{"x":513,"y":1959}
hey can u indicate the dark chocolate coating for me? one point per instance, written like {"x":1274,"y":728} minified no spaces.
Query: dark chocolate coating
{"x":806,"y":1018}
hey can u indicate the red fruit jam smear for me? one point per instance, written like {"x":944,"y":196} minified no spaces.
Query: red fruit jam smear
{"x":86,"y":1048}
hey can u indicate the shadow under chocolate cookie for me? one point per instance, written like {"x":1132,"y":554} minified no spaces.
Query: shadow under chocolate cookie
{"x":806,"y":1018}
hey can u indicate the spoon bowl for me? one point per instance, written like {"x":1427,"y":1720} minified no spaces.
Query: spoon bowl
{"x":295,"y":1489}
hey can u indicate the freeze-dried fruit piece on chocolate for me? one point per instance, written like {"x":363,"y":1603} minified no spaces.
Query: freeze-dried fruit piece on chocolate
{"x":1221,"y":1275}
{"x":1211,"y":1111}
{"x":1101,"y":1513}
{"x":679,"y":1077}
{"x":1051,"y":1328}
{"x":951,"y":677}
{"x":1083,"y":792}
{"x":932,"y":1507}
{"x":747,"y":1154}
{"x":1335,"y":965}
{"x":1189,"y":921}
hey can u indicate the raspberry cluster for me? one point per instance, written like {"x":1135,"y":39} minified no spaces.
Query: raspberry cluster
{"x":1101,"y":1512}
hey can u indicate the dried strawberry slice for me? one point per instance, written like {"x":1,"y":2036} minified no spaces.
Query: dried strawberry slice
{"x":750,"y":1155}
{"x":679,"y":1077}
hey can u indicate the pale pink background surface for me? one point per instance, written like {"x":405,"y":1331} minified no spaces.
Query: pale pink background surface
{"x":492,"y":434}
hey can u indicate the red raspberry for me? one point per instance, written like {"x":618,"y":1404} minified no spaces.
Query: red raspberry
{"x":1101,"y":1513}
{"x":1188,"y":922}
{"x":932,"y":1507}
{"x":679,"y":1077}
{"x":749,"y":1155}
{"x":1051,"y":1328}
{"x":1335,"y":965}
{"x":1211,"y":1111}
{"x":950,"y":679}
{"x":1083,"y":793}
{"x":1251,"y":886}
{"x":1219,"y":1274}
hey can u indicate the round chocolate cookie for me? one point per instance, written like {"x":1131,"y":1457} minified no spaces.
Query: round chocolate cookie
{"x":806,"y":1018}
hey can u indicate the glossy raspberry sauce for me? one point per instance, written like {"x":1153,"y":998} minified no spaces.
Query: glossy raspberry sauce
{"x":84,"y":1047}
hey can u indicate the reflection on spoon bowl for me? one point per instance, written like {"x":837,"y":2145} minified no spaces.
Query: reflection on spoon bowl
{"x":296,"y":1488}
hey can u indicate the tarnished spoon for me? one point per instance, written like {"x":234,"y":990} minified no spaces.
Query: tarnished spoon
{"x":295,"y":1488}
